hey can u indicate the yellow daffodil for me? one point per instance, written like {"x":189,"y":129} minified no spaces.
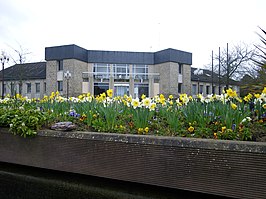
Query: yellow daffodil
{"x":264,"y":90}
{"x":191,"y":129}
{"x":146,"y":130}
{"x":234,"y":106}
{"x":171,"y":97}
{"x":223,"y":129}
{"x":264,"y":106}
{"x":231,"y":93}
{"x":110,"y":93}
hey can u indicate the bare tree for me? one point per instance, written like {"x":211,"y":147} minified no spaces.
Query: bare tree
{"x":20,"y":56}
{"x":234,"y":62}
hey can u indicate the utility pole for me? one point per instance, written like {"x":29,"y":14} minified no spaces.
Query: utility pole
{"x":212,"y":73}
{"x":219,"y":72}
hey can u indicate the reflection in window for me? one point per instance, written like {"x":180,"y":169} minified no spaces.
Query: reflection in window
{"x":121,"y":71}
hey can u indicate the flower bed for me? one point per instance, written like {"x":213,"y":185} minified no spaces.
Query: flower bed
{"x":223,"y":116}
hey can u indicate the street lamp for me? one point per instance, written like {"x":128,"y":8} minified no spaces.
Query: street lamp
{"x":4,"y":59}
{"x":67,"y":75}
{"x":198,"y":72}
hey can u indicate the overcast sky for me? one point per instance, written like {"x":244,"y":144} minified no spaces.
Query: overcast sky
{"x":196,"y":26}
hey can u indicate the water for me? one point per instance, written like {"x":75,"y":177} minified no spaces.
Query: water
{"x":21,"y":182}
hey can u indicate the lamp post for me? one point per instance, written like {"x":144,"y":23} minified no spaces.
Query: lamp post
{"x":67,"y":75}
{"x":4,"y":59}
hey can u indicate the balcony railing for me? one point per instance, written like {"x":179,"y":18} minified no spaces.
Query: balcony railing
{"x":106,"y":75}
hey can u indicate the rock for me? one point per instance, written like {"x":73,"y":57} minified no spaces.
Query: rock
{"x":63,"y":126}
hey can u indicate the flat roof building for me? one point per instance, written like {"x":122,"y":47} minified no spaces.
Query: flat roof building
{"x":133,"y":73}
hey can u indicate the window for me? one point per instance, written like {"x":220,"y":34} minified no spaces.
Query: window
{"x":28,"y":87}
{"x":60,"y":65}
{"x":207,"y":90}
{"x":201,"y":89}
{"x":194,"y":89}
{"x":102,"y":71}
{"x":44,"y":85}
{"x":60,"y":86}
{"x":180,"y":69}
{"x":179,"y":88}
{"x":121,"y":71}
{"x":37,"y":86}
{"x":140,"y":71}
{"x":100,"y":88}
{"x":140,"y":89}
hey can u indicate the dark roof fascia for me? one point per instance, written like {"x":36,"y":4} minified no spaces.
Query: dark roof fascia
{"x":120,"y":57}
{"x":172,"y":55}
{"x":117,"y":57}
{"x":71,"y":51}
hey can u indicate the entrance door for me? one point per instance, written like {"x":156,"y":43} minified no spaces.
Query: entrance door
{"x":121,"y":89}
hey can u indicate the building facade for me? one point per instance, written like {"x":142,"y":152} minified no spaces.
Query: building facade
{"x":133,"y":73}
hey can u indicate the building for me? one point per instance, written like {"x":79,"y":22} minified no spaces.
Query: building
{"x":133,"y":73}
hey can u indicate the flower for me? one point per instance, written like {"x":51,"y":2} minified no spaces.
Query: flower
{"x":223,"y":129}
{"x":152,"y":106}
{"x":234,"y":106}
{"x":215,"y":135}
{"x":140,"y":130}
{"x":264,"y":90}
{"x":146,"y":102}
{"x":191,"y":129}
{"x":110,"y":93}
{"x":171,"y":97}
{"x":264,"y":106}
{"x":135,"y":103}
{"x":146,"y":129}
{"x":231,"y":93}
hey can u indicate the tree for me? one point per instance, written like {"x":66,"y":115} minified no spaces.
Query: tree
{"x":260,"y":61}
{"x":234,"y":63}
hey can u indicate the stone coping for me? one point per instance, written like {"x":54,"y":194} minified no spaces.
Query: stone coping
{"x":228,"y":145}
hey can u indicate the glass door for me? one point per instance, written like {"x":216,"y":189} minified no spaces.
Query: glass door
{"x":121,"y":89}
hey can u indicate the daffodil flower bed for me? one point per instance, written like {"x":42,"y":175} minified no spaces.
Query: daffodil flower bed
{"x":224,"y":116}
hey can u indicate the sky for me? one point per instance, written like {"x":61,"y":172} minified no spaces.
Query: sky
{"x":196,"y":26}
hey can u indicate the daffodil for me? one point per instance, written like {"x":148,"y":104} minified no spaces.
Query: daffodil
{"x":146,"y":102}
{"x":234,"y":106}
{"x":135,"y":103}
{"x":191,"y":129}
{"x":110,"y":93}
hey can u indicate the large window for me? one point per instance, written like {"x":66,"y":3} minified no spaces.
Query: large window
{"x":140,"y":71}
{"x":121,"y":71}
{"x":38,"y":88}
{"x":28,"y":87}
{"x":100,"y":88}
{"x":140,"y":89}
{"x":60,"y":85}
{"x":102,"y":71}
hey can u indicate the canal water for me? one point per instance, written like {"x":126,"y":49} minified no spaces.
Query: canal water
{"x":21,"y":182}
